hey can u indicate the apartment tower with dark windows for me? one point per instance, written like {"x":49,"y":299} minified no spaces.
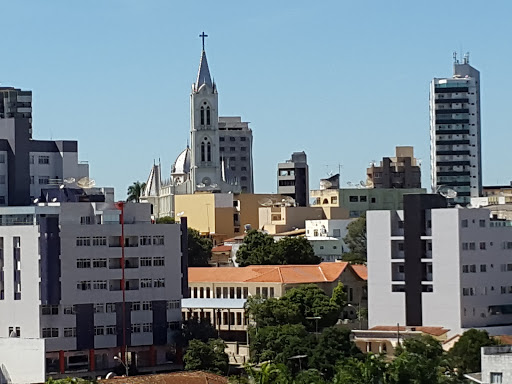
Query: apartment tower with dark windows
{"x":293,"y":179}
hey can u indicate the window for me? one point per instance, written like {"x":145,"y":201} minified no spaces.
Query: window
{"x":243,"y":158}
{"x":244,"y":168}
{"x":145,"y":240}
{"x":69,"y":310}
{"x":145,"y":262}
{"x":472,"y":246}
{"x":362,"y":199}
{"x":496,"y":377}
{"x":135,"y":306}
{"x":353,"y":199}
{"x":400,"y":246}
{"x":2,"y":179}
{"x":271,"y":292}
{"x":232,"y":149}
{"x":83,"y":285}
{"x":243,"y":138}
{"x":43,"y":160}
{"x":221,"y":138}
{"x":99,"y":241}
{"x":83,"y":241}
{"x":146,"y":306}
{"x":2,"y":158}
{"x":482,"y":245}
{"x":147,"y":327}
{"x":465,"y":269}
{"x":472,"y":268}
{"x":482,"y":223}
{"x":99,"y":284}
{"x":99,"y":330}
{"x":258,"y":291}
{"x":245,"y":292}
{"x":99,"y":263}
{"x":111,"y":329}
{"x":49,"y":309}
{"x":464,"y":223}
{"x":159,"y":283}
{"x":31,"y":179}
{"x":173,"y":325}
{"x":110,"y":307}
{"x":70,"y":332}
{"x":135,"y":328}
{"x":85,"y":220}
{"x":50,"y":332}
{"x":465,"y":246}
{"x":44,"y":179}
{"x":159,"y":261}
{"x":99,"y":308}
{"x":173,"y":304}
{"x":31,"y":159}
{"x":146,"y":283}
{"x":243,"y":149}
{"x":221,"y":149}
{"x":483,"y":268}
{"x":83,"y":263}
{"x":158,"y":240}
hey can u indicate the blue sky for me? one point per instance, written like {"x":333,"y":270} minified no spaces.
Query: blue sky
{"x":345,"y":81}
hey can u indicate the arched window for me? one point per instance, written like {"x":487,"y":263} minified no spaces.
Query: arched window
{"x":209,"y":147}
{"x":202,"y":152}
{"x":207,"y":115}
{"x":202,"y":115}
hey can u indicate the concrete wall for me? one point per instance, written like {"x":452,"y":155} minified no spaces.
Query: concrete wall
{"x":22,"y":361}
{"x":497,"y":360}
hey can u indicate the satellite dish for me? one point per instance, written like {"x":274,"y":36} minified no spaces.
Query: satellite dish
{"x":54,"y":200}
{"x":447,"y":192}
{"x":110,"y":375}
{"x":265,"y":202}
{"x":85,"y":183}
{"x":247,"y":227}
{"x":180,"y":214}
{"x":36,"y":201}
{"x":62,"y":186}
{"x":69,"y":180}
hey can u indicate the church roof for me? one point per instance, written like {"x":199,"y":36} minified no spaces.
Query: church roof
{"x":182,"y":163}
{"x":153,"y":183}
{"x":203,"y":75}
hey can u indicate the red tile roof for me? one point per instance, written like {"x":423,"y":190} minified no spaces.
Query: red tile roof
{"x":433,"y":331}
{"x":222,"y":248}
{"x":361,"y":271}
{"x":170,"y":378}
{"x":287,"y":274}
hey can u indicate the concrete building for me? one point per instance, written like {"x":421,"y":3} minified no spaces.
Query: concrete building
{"x":401,"y":171}
{"x":219,"y":158}
{"x":62,"y":281}
{"x":446,"y":267}
{"x":455,"y":132}
{"x":356,"y":201}
{"x":326,"y":238}
{"x":495,"y":364}
{"x":27,"y":165}
{"x":293,"y":179}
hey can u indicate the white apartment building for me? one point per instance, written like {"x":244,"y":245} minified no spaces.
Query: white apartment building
{"x":449,"y":267}
{"x":326,"y":238}
{"x":455,"y":144}
{"x":61,"y":281}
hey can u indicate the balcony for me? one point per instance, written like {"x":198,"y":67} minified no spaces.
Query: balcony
{"x":130,"y":262}
{"x":130,"y":285}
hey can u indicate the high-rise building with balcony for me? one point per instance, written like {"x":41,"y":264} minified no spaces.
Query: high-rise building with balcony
{"x":455,"y":132}
{"x":293,"y":178}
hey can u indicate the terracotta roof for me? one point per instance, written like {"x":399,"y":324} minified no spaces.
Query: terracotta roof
{"x":361,"y":270}
{"x":170,"y":378}
{"x":236,"y":238}
{"x":222,"y":248}
{"x":295,"y":232}
{"x":433,"y":331}
{"x":287,"y":274}
{"x":504,"y":339}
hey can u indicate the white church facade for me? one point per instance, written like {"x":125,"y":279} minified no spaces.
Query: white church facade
{"x":219,"y":159}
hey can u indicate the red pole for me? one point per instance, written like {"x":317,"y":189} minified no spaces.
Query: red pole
{"x":62,"y":362}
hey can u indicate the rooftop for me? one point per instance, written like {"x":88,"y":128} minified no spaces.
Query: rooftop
{"x":222,"y":248}
{"x":361,"y":271}
{"x":433,"y":331}
{"x":170,"y":378}
{"x":284,"y":274}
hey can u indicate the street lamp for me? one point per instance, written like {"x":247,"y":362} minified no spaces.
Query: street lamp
{"x":124,"y":365}
{"x":298,"y":357}
{"x":316,"y":318}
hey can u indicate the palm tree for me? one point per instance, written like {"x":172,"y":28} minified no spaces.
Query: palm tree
{"x":135,"y":191}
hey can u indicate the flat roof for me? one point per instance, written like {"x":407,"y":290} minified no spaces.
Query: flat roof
{"x":213,"y":303}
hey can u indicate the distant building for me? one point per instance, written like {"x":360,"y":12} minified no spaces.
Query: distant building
{"x":326,"y":238}
{"x":455,"y":132}
{"x":27,"y":165}
{"x":401,"y":171}
{"x":449,"y":267}
{"x":293,"y":179}
{"x":496,"y":363}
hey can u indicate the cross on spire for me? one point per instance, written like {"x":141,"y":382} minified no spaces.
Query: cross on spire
{"x":202,"y":36}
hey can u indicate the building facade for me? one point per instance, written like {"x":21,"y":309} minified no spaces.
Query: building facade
{"x":401,"y":171}
{"x":61,"y":280}
{"x":455,"y":132}
{"x":430,"y":265}
{"x":326,"y":238}
{"x":16,"y":103}
{"x":293,"y":179}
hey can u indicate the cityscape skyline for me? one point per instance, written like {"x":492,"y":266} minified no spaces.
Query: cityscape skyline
{"x":159,"y":79}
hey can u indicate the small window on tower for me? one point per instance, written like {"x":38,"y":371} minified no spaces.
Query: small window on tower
{"x":202,"y":116}
{"x":207,"y":115}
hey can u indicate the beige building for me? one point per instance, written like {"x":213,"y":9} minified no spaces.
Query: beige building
{"x":401,"y":171}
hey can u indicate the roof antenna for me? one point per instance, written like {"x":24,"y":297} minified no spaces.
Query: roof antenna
{"x":466,"y":58}
{"x":455,"y":61}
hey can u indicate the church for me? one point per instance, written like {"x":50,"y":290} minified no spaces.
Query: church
{"x":219,"y":159}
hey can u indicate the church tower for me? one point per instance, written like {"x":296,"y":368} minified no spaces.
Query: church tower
{"x":206,"y":167}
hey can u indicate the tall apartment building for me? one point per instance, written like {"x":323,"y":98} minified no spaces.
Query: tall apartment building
{"x":401,"y":171}
{"x":429,"y":265}
{"x":235,"y":141}
{"x":293,"y":178}
{"x":61,"y":280}
{"x":27,"y":165}
{"x":455,"y":137}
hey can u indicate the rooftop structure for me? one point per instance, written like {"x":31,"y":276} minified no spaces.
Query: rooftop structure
{"x":401,"y":171}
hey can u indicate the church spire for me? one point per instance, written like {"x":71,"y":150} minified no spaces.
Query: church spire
{"x":203,"y":75}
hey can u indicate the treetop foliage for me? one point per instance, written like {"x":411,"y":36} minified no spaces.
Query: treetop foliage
{"x":199,"y":249}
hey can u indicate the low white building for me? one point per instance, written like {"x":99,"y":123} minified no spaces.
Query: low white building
{"x":326,"y":238}
{"x":61,"y":280}
{"x":433,"y":266}
{"x":496,"y":366}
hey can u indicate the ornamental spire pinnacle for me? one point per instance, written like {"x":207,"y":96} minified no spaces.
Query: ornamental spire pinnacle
{"x":203,"y":75}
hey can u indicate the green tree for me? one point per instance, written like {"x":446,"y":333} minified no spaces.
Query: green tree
{"x":257,"y":248}
{"x":465,"y":355}
{"x":295,"y":250}
{"x":369,"y":370}
{"x":270,"y":312}
{"x":356,"y":241}
{"x":268,"y":373}
{"x":199,"y":249}
{"x":165,"y":220}
{"x":209,"y":356}
{"x":135,"y":191}
{"x":197,"y":329}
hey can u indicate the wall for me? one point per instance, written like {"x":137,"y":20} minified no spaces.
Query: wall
{"x":22,"y":361}
{"x":497,"y":359}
